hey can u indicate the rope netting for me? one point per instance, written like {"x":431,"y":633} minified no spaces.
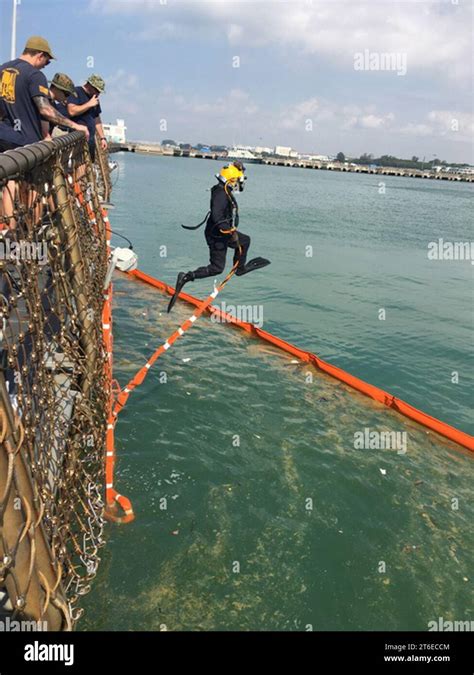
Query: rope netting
{"x":102,"y":172}
{"x":55,"y":379}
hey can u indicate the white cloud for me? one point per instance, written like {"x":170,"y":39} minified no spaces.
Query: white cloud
{"x":376,"y":122}
{"x":123,"y":93}
{"x":417,"y":130}
{"x":319,"y":111}
{"x":433,"y":35}
{"x":296,"y":116}
{"x":235,"y":33}
{"x":450,"y":124}
{"x":234,"y":104}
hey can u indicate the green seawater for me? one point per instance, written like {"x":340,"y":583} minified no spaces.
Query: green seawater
{"x":254,"y":509}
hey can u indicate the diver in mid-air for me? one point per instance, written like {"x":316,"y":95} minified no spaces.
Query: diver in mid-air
{"x":221,"y":233}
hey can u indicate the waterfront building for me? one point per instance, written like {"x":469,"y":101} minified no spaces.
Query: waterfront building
{"x":115,"y":133}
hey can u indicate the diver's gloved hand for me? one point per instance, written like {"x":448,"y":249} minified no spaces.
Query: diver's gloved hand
{"x":234,"y":237}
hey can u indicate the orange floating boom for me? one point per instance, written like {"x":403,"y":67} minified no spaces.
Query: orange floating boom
{"x":113,"y":499}
{"x":453,"y":434}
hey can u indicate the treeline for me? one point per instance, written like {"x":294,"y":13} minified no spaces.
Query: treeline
{"x":397,"y":162}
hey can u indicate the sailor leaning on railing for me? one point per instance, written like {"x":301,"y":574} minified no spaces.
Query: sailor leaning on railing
{"x":24,"y":93}
{"x":30,"y":111}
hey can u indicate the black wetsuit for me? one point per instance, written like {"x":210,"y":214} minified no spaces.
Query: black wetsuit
{"x":220,"y":218}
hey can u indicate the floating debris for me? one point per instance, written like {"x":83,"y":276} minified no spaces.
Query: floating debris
{"x":408,"y":548}
{"x":383,"y":471}
{"x":429,"y":520}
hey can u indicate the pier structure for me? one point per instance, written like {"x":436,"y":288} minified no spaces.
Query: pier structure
{"x":343,"y":167}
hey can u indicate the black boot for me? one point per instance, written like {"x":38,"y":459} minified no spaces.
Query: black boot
{"x":182,"y":279}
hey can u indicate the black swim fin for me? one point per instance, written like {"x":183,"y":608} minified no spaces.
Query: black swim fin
{"x":254,"y":264}
{"x":182,"y":279}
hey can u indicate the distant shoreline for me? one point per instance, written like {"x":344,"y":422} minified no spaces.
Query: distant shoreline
{"x":145,"y":149}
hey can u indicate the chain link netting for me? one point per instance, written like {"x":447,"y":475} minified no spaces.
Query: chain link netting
{"x":54,"y":379}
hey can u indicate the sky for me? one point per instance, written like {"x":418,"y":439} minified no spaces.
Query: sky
{"x":374,"y":76}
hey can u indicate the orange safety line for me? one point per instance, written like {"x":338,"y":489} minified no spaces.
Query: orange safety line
{"x":142,"y":373}
{"x":112,"y":498}
{"x":446,"y":430}
{"x":114,"y":501}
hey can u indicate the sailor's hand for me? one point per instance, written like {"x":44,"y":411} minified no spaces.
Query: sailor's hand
{"x":93,"y":101}
{"x":84,"y":129}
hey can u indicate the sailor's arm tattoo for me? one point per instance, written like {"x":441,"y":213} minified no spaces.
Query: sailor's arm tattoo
{"x":49,"y":112}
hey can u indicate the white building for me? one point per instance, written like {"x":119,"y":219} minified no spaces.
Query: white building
{"x":317,"y":158}
{"x":240,"y":152}
{"x":282,"y":151}
{"x":259,"y":150}
{"x":115,"y":133}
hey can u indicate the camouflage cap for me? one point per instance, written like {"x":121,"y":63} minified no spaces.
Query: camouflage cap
{"x":40,"y":44}
{"x":97,"y":82}
{"x":64,"y":82}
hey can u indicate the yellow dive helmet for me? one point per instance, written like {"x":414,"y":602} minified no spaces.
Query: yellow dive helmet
{"x":232,"y":175}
